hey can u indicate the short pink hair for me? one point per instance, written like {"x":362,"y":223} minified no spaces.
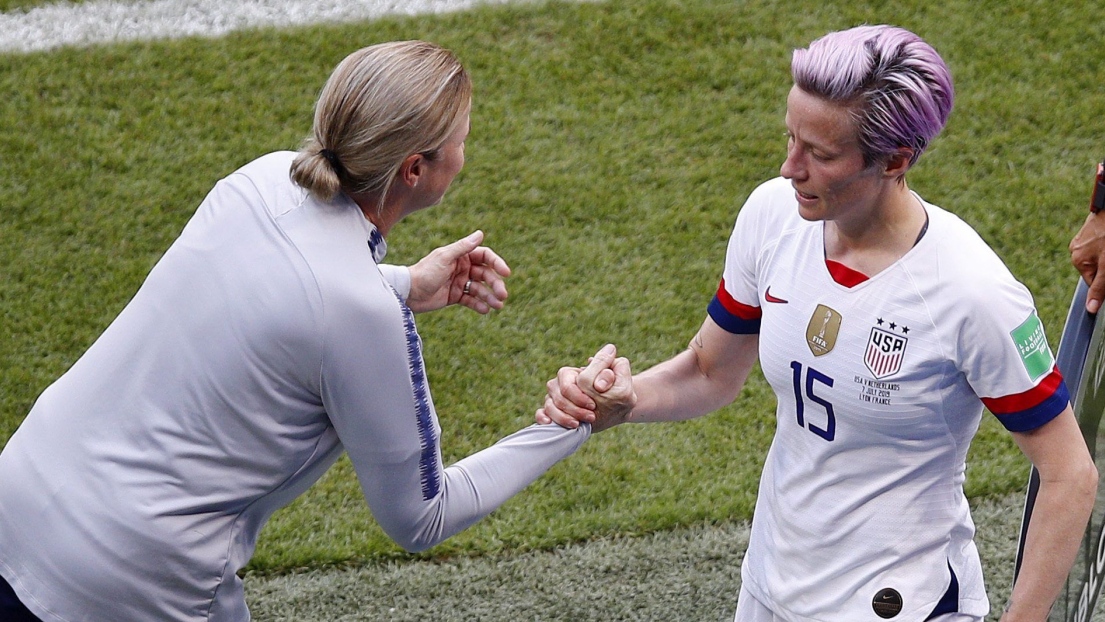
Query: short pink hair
{"x":898,"y":87}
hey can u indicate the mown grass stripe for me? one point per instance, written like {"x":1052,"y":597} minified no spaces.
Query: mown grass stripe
{"x":55,"y":25}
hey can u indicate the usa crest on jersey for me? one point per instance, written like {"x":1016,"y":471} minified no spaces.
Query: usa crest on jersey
{"x":884,"y":352}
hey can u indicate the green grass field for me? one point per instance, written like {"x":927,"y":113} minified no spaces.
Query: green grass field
{"x":611,"y":148}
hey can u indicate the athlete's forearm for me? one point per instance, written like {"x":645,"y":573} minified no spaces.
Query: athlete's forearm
{"x":675,"y":390}
{"x":707,"y":375}
{"x":1054,"y":534}
{"x":1068,"y":485}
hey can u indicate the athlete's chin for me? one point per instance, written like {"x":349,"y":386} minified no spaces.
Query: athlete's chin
{"x":810,"y":213}
{"x":809,"y":207}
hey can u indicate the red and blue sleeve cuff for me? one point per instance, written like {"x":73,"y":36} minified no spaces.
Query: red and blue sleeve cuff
{"x":1030,"y":410}
{"x":735,"y":317}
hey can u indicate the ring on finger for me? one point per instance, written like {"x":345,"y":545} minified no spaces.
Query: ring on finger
{"x":468,"y":286}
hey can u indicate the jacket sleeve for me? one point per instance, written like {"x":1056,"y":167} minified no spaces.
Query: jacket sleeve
{"x":375,"y":391}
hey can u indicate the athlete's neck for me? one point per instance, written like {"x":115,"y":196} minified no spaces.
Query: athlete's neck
{"x":873,"y":241}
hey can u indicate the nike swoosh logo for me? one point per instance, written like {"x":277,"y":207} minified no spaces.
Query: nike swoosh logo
{"x":768,"y":297}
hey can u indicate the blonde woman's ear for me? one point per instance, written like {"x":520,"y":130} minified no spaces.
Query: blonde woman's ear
{"x":411,"y":169}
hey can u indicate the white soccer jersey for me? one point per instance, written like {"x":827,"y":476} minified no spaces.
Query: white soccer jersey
{"x":263,"y":343}
{"x":880,"y":387}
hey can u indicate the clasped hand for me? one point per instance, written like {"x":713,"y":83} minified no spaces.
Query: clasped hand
{"x":463,"y":273}
{"x":601,"y":393}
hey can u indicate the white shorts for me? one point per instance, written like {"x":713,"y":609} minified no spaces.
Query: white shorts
{"x":751,"y":610}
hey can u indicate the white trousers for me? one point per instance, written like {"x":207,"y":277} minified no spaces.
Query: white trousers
{"x":751,"y":610}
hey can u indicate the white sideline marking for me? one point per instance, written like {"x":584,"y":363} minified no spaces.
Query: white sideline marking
{"x":103,"y":21}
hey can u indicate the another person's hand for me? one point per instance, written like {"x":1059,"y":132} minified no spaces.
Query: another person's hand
{"x":460,"y":273}
{"x":1087,"y":253}
{"x":600,"y":394}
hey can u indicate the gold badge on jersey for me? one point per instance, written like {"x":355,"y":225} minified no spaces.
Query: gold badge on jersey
{"x":822,"y":330}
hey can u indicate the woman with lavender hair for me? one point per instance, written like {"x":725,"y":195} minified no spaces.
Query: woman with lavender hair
{"x":884,"y":324}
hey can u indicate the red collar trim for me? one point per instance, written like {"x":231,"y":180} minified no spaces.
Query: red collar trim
{"x":843,"y":274}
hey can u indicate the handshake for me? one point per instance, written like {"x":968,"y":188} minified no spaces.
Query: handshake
{"x":600,"y":394}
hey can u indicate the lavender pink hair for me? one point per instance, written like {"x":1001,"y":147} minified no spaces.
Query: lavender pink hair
{"x":899,"y":89}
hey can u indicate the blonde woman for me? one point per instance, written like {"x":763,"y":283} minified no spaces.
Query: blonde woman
{"x":268,"y":340}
